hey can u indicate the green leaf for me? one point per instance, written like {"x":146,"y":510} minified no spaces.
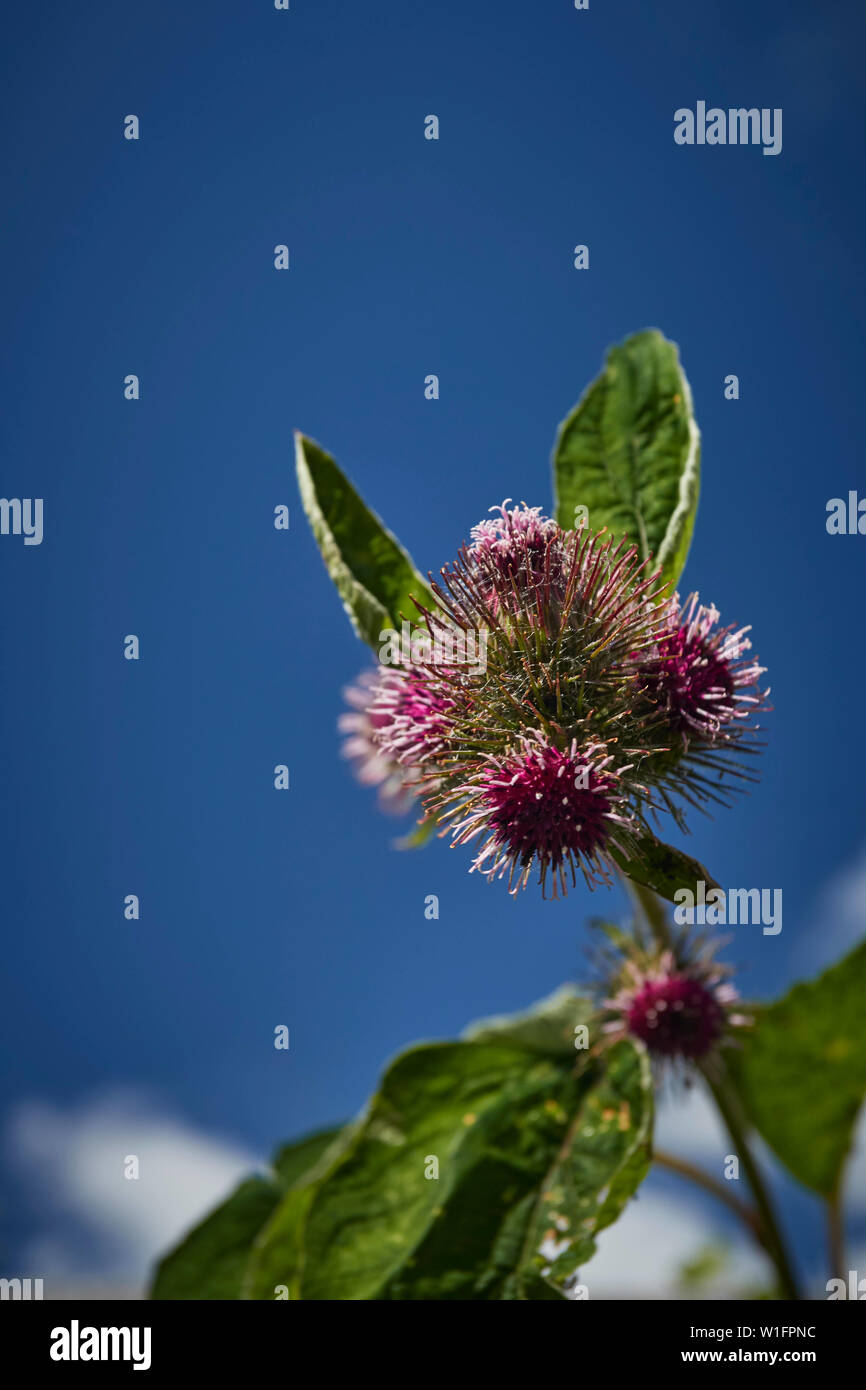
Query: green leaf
{"x":604,"y":1158}
{"x":367,"y":1217}
{"x":374,"y":576}
{"x":500,"y":1119}
{"x":535,"y":1141}
{"x":546,"y":1027}
{"x":662,"y":868}
{"x":210,"y":1262}
{"x":521,"y":1231}
{"x":630,"y":453}
{"x":801,"y":1072}
{"x":296,"y":1161}
{"x":276,"y":1259}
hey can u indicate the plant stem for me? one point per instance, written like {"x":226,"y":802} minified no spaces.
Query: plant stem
{"x":650,"y":905}
{"x":729,"y":1110}
{"x":747,"y":1214}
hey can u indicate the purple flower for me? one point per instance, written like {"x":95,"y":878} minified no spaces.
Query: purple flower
{"x":697,"y":676}
{"x":365,"y":726}
{"x":413,"y":710}
{"x":590,"y":703}
{"x":676,"y":1014}
{"x":539,"y":807}
{"x":679,"y":1002}
{"x":511,"y":546}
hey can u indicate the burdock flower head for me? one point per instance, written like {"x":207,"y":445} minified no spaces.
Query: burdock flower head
{"x":541,"y":807}
{"x":697,"y":675}
{"x":678,"y":1001}
{"x":394,"y":728}
{"x":589,"y":704}
{"x":514,"y":544}
{"x":364,"y":725}
{"x":705,"y":690}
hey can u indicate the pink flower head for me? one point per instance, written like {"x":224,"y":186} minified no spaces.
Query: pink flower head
{"x":509,"y":549}
{"x":413,"y":704}
{"x":540,"y":806}
{"x":679,"y":1003}
{"x":552,"y":699}
{"x":365,"y":726}
{"x":697,"y":676}
{"x":676,"y":1015}
{"x":395,"y":725}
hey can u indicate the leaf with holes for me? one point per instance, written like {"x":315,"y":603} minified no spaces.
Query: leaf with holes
{"x":448,"y":1186}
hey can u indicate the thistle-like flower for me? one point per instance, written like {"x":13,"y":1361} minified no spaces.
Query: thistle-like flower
{"x":513,"y":543}
{"x":698,"y":676}
{"x":678,"y":1001}
{"x":706,"y":691}
{"x":364,"y":725}
{"x":540,"y":807}
{"x":596,"y":705}
{"x":413,"y":715}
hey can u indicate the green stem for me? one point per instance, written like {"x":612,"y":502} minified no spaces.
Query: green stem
{"x":653,"y":910}
{"x":720,"y":1190}
{"x":729,"y":1109}
{"x":655,"y":914}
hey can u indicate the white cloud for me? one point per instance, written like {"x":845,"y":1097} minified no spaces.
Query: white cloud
{"x":839,"y":922}
{"x":114,"y":1227}
{"x":641,"y":1256}
{"x":688,"y":1125}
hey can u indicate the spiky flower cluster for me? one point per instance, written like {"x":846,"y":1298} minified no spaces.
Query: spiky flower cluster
{"x":598,"y":703}
{"x":392,"y":726}
{"x":678,"y":1001}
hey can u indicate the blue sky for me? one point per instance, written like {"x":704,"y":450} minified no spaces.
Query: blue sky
{"x":408,"y":257}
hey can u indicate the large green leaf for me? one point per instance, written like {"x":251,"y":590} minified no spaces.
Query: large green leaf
{"x":374,"y":576}
{"x":801,"y":1072}
{"x":364,"y":1222}
{"x":210,"y":1262}
{"x":630,"y":453}
{"x":521,"y":1231}
{"x":509,"y":1125}
{"x":482,"y":1170}
{"x":604,"y":1158}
